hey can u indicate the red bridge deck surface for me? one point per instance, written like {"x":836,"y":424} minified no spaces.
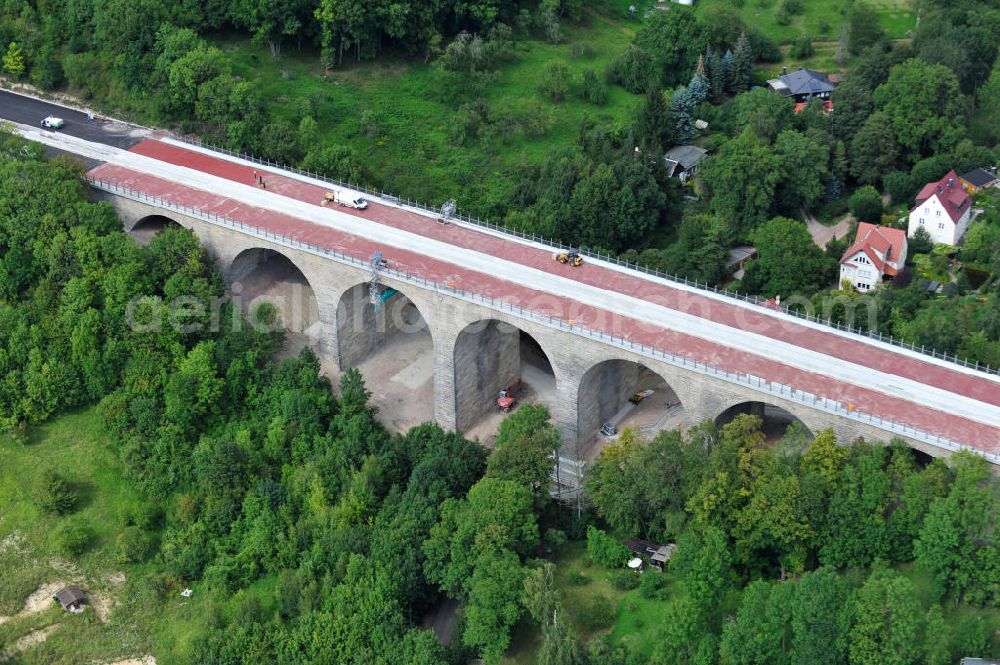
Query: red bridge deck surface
{"x":678,"y":299}
{"x":869,"y":401}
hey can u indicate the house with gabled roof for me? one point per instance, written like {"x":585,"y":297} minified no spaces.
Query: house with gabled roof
{"x":802,"y":85}
{"x":943,"y":209}
{"x":683,"y":161}
{"x":877,"y":255}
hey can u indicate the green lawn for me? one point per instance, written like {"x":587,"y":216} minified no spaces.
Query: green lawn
{"x":390,"y":112}
{"x":635,"y":621}
{"x":148,"y":616}
{"x":821,"y":19}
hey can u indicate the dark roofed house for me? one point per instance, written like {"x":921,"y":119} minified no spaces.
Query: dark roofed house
{"x":683,"y":160}
{"x":977,"y":180}
{"x":640,"y":547}
{"x":802,"y":85}
{"x":72,"y":598}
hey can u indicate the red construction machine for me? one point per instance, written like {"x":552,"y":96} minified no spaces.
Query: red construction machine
{"x":507,"y":399}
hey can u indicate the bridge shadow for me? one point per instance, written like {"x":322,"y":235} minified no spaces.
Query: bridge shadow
{"x":616,"y":394}
{"x":149,"y":227}
{"x":493,"y":357}
{"x":776,"y":421}
{"x":390,"y":343}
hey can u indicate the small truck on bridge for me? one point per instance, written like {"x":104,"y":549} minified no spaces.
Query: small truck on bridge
{"x":346,"y":198}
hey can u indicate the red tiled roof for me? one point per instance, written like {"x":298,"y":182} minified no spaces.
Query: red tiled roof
{"x":874,"y":240}
{"x":953,"y":198}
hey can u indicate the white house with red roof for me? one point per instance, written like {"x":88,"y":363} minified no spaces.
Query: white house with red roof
{"x":878,"y":254}
{"x":943,"y":209}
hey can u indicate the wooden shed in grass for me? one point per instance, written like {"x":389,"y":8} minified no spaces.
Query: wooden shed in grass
{"x":72,"y":598}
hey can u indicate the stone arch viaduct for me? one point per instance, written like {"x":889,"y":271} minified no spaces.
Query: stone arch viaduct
{"x":475,"y":350}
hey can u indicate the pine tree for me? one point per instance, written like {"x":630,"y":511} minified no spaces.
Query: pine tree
{"x":729,"y":72}
{"x":698,"y":87}
{"x":742,"y":64}
{"x":652,"y":123}
{"x":716,"y":76}
{"x":682,"y":106}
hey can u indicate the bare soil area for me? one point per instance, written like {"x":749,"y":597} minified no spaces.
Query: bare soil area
{"x":39,"y":601}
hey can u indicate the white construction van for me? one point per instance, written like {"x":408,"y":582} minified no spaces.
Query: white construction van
{"x":347,"y":198}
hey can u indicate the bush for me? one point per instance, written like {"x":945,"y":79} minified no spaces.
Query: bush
{"x":866,"y":204}
{"x":793,"y":6}
{"x":592,"y":89}
{"x":555,"y":538}
{"x":55,"y":495}
{"x":537,"y":119}
{"x":803,"y":48}
{"x":70,"y":538}
{"x":605,"y":550}
{"x":133,"y":545}
{"x":763,"y":48}
{"x":624,"y":580}
{"x":899,"y":186}
{"x":142,"y":515}
{"x":337,"y":161}
{"x":634,"y":70}
{"x":595,"y":614}
{"x":782,"y":17}
{"x":920,"y":242}
{"x":576,"y":578}
{"x":555,"y":81}
{"x":651,"y":583}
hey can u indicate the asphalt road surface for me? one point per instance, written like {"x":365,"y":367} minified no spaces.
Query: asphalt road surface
{"x":30,"y":111}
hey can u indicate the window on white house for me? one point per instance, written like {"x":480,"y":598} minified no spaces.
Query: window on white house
{"x":941,"y":225}
{"x":938,"y":213}
{"x":921,"y":221}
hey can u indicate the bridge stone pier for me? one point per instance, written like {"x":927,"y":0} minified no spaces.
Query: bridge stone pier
{"x":476,"y":348}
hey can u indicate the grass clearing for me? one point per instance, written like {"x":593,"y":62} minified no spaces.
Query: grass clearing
{"x":145,"y":617}
{"x":388,"y":109}
{"x":821,"y":19}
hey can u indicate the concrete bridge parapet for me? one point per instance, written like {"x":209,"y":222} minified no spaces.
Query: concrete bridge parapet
{"x":475,"y":352}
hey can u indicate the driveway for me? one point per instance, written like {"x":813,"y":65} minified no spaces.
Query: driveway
{"x":821,"y":234}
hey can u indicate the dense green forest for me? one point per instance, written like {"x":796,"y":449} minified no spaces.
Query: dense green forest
{"x":312,"y":535}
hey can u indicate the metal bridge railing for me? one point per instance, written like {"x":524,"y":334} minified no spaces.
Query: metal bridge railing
{"x":608,"y":258}
{"x":747,"y":380}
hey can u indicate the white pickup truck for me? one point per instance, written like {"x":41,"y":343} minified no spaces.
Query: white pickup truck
{"x":346,"y":198}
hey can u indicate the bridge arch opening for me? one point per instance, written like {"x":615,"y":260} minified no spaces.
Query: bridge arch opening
{"x":620,"y":393}
{"x":777,"y":421}
{"x":390,"y":343}
{"x":152,"y":225}
{"x":258,"y":276}
{"x":493,"y":357}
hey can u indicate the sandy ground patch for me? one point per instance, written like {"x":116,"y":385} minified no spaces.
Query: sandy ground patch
{"x":39,"y":601}
{"x":138,"y":660}
{"x":103,"y":605}
{"x":28,"y":641}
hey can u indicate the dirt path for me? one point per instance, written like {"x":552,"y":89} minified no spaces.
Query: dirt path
{"x":39,"y":601}
{"x":593,"y":13}
{"x":28,"y":641}
{"x":822,"y":234}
